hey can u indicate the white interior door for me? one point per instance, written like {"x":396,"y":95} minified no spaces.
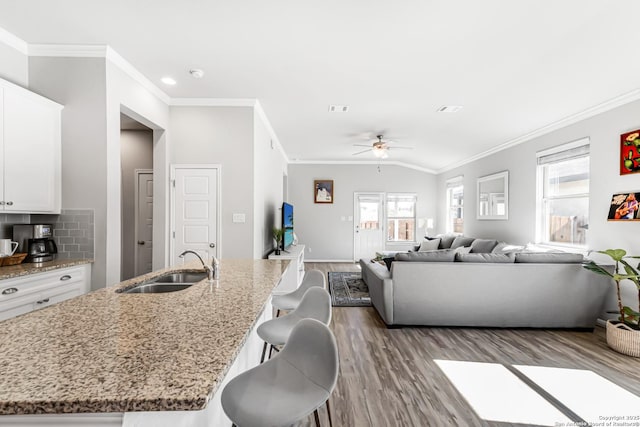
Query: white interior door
{"x":195,"y":211}
{"x":143,"y":253}
{"x":368,"y":220}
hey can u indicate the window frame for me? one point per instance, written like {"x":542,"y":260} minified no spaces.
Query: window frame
{"x":450,"y":184}
{"x":387,"y":217}
{"x":542,"y":226}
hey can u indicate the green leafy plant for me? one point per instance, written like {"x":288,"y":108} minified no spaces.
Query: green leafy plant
{"x":278,"y":235}
{"x":628,"y":315}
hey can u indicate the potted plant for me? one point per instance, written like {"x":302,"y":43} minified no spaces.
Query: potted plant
{"x":278,"y":234}
{"x":623,"y":335}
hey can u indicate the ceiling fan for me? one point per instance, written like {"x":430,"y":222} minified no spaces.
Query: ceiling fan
{"x":380,"y":148}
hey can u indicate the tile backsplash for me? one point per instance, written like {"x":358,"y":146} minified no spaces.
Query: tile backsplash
{"x":73,"y":232}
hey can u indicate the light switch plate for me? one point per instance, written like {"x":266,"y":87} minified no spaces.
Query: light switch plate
{"x":240,"y":218}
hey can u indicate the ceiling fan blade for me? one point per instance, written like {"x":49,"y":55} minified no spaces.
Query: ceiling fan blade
{"x":400,"y":148}
{"x":362,"y":145}
{"x":360,"y":152}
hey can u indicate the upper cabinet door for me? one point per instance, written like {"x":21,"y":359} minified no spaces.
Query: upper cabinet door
{"x":31,"y":152}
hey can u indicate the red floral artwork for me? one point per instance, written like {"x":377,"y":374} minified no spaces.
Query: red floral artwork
{"x":630,"y":152}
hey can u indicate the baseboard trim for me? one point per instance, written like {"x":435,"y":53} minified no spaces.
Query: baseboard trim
{"x":329,"y":260}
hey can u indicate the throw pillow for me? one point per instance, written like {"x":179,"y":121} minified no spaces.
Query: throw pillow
{"x":486,"y":258}
{"x":446,"y":240}
{"x":463,"y":250}
{"x":446,"y":255}
{"x":483,"y":246}
{"x":429,"y":245}
{"x":549,"y":257}
{"x":505,"y":248}
{"x":462,"y":241}
{"x":387,"y":262}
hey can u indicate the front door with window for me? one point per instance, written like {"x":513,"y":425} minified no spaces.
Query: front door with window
{"x":368,"y":218}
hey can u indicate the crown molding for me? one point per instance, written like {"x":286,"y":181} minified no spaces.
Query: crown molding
{"x":618,"y":101}
{"x":272,"y":133}
{"x":14,"y":41}
{"x":68,"y":50}
{"x":363,"y":162}
{"x":136,"y":75}
{"x":213,"y":102}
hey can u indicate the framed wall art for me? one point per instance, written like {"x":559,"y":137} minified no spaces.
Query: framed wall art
{"x":323,"y":191}
{"x":630,"y":152}
{"x":624,"y":207}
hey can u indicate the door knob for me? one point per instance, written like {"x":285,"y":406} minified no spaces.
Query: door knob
{"x":212,"y":245}
{"x":141,"y":242}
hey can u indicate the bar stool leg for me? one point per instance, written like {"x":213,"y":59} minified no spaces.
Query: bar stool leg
{"x":278,"y":313}
{"x":264,"y":352}
{"x":329,"y":414}
{"x":315,"y":414}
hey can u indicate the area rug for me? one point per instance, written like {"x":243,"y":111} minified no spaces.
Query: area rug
{"x":348,"y":290}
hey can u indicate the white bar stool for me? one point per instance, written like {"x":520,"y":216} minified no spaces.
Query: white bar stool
{"x":291,"y":300}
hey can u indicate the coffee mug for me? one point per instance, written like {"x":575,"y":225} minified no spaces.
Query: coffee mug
{"x":6,"y":247}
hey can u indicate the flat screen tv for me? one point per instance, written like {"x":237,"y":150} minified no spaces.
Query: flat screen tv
{"x":287,"y":225}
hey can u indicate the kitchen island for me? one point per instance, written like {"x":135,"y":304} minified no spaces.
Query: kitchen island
{"x":109,"y":355}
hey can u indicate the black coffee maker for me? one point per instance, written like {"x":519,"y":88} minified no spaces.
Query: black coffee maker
{"x":36,"y":240}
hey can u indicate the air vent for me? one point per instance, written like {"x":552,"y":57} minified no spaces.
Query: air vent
{"x":338,"y":108}
{"x":449,"y":109}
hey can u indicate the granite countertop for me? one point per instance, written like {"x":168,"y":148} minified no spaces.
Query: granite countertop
{"x":113,"y":352}
{"x":24,"y":269}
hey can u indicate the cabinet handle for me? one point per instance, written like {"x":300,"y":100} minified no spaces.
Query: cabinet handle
{"x":42,"y":301}
{"x":9,"y":291}
{"x":9,"y":203}
{"x":65,"y":277}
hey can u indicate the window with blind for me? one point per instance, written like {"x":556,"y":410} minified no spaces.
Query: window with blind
{"x":401,"y":217}
{"x":455,"y":205}
{"x":563,"y":194}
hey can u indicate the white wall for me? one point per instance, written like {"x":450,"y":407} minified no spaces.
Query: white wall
{"x":319,"y":226}
{"x":268,"y":169}
{"x":80,"y":85}
{"x":221,"y":135}
{"x":14,"y":65}
{"x":136,"y":153}
{"x":604,"y":132}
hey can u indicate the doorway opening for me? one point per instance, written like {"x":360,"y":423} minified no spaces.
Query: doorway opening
{"x":136,"y":157}
{"x":368,"y":219}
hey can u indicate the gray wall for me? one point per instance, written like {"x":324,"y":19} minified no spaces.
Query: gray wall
{"x":604,"y":132}
{"x":221,"y":135}
{"x":320,"y":226}
{"x":80,"y":85}
{"x":14,"y":65}
{"x":136,"y":149}
{"x":268,"y":169}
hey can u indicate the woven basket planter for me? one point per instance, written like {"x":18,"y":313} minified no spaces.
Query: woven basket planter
{"x":623,"y":339}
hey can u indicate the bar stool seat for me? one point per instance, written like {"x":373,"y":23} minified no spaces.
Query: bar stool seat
{"x":291,"y":385}
{"x":291,"y":300}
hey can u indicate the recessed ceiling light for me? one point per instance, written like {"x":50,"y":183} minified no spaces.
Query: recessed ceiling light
{"x":338,"y":108}
{"x":196,"y":73}
{"x":168,"y":81}
{"x":449,"y":109}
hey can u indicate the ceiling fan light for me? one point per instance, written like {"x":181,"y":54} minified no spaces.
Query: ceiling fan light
{"x":380,"y":153}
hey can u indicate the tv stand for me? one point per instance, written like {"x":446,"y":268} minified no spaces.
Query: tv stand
{"x":292,"y":278}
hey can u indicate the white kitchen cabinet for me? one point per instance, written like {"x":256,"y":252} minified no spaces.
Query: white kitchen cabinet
{"x":27,"y":293}
{"x":30,"y":138}
{"x":295,"y":273}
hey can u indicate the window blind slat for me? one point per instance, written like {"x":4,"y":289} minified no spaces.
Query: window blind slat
{"x":572,"y":153}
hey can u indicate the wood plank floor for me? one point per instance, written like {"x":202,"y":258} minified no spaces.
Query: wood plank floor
{"x":388,"y":377}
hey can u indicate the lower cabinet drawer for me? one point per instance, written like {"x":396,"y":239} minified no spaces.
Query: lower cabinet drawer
{"x":16,"y":307}
{"x":59,"y":294}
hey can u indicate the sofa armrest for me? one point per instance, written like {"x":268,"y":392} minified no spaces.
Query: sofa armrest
{"x":378,"y":280}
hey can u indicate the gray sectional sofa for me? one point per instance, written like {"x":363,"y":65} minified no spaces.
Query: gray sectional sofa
{"x":505,"y":289}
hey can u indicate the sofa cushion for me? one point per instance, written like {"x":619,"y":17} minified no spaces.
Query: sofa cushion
{"x":549,"y":257}
{"x":445,"y":255}
{"x":483,"y":246}
{"x":446,"y":240}
{"x":463,"y":250}
{"x":462,"y":241}
{"x":486,"y":257}
{"x":429,"y":245}
{"x":504,"y":248}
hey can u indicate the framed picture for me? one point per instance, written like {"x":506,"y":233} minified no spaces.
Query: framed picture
{"x":323,"y":191}
{"x":630,"y":152}
{"x":624,"y":207}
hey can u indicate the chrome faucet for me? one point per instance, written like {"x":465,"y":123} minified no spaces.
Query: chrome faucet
{"x":212,"y":270}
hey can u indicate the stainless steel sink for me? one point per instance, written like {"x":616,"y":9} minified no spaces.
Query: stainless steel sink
{"x":157,"y":288}
{"x":169,"y":282}
{"x":180,"y":277}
